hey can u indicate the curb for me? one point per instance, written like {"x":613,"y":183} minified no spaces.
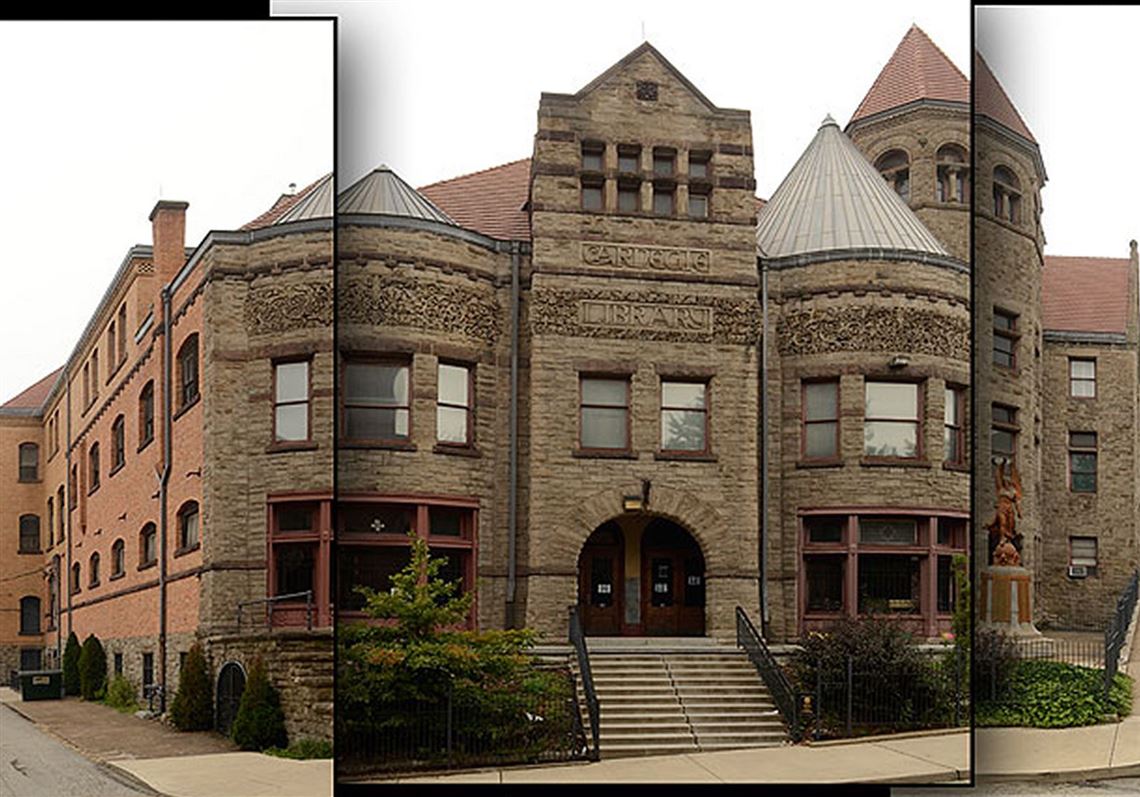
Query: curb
{"x":890,"y":737}
{"x":1062,"y":776}
{"x":128,"y":779}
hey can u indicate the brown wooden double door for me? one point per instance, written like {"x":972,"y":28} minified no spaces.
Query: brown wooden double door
{"x":600,"y":582}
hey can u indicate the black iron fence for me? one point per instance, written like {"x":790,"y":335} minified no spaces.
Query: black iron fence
{"x":783,"y":694}
{"x":1116,"y":635}
{"x":860,"y":702}
{"x":578,"y":641}
{"x":459,"y":731}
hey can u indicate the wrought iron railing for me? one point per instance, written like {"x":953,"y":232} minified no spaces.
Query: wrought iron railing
{"x":578,"y":640}
{"x":1117,"y":632}
{"x":787,"y":699}
{"x":269,"y":603}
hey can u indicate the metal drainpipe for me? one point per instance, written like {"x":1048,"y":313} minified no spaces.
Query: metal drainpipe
{"x":65,"y":577}
{"x":764,"y":616}
{"x":164,"y":480}
{"x":513,"y":421}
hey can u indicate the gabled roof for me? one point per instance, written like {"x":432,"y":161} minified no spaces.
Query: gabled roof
{"x":637,"y":52}
{"x":918,"y":70}
{"x":1085,"y":294}
{"x":33,"y":397}
{"x":834,"y":200}
{"x":992,"y":101}
{"x":491,"y":202}
{"x":382,"y":192}
{"x":308,"y":201}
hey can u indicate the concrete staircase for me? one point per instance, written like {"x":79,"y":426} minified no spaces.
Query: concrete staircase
{"x":659,"y":696}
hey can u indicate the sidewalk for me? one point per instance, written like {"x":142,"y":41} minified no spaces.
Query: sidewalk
{"x":173,"y":763}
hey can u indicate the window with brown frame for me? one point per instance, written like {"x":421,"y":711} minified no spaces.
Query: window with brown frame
{"x":453,"y":405}
{"x":93,"y":570}
{"x":94,"y":374}
{"x":684,"y":416}
{"x":118,"y":444}
{"x":592,"y":193}
{"x":59,"y":503}
{"x":894,"y":165}
{"x":188,"y":372}
{"x":93,"y":468}
{"x":377,"y":405}
{"x":291,"y":401}
{"x":50,"y":525}
{"x":629,"y":196}
{"x":146,"y":415}
{"x":118,"y":559}
{"x":1082,"y":462}
{"x":954,"y":432}
{"x":73,"y":488}
{"x":111,"y":361}
{"x":604,"y":413}
{"x":29,"y":534}
{"x":664,"y":162}
{"x":629,"y":158}
{"x":148,"y":546}
{"x":663,"y":199}
{"x":122,"y":333}
{"x":1083,"y":553}
{"x":593,"y":155}
{"x":29,"y":462}
{"x":892,"y":423}
{"x":821,"y":420}
{"x":30,"y":614}
{"x":1003,"y":432}
{"x":1082,"y":377}
{"x":1005,"y":338}
{"x":188,"y":519}
{"x":75,"y":578}
{"x":698,"y":202}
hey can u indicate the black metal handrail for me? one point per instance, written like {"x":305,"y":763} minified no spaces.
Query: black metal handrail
{"x":785,"y":696}
{"x":1116,"y":634}
{"x":269,"y":603}
{"x":578,"y":640}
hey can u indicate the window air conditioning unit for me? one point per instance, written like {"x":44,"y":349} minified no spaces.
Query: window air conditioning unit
{"x":1078,"y":571}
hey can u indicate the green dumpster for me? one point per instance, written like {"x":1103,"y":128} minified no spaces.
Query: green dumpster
{"x":41,"y":684}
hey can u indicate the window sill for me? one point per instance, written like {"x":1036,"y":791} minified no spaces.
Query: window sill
{"x":115,"y":469}
{"x":894,"y":462}
{"x":148,"y":565}
{"x":94,"y":489}
{"x":30,"y":481}
{"x":684,"y":456}
{"x":146,"y":442}
{"x":457,"y":451}
{"x":959,"y":467}
{"x":185,"y":408}
{"x":188,"y":549}
{"x":391,"y":445}
{"x":820,"y":463}
{"x":93,"y":586}
{"x":36,"y":552}
{"x":117,"y":576}
{"x":29,"y":633}
{"x":602,"y":453}
{"x":291,"y":445}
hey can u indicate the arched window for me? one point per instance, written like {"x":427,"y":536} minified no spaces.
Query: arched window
{"x":29,"y":615}
{"x":894,"y":165}
{"x":118,"y":444}
{"x":118,"y":559}
{"x":148,"y":546}
{"x":93,"y":468}
{"x":953,"y":174}
{"x":29,"y":533}
{"x":75,"y":578}
{"x":50,"y":520}
{"x":59,"y":503}
{"x":146,"y":414}
{"x":188,"y":372}
{"x":93,"y":570}
{"x":1007,"y":195}
{"x":188,"y":526}
{"x":29,"y":462}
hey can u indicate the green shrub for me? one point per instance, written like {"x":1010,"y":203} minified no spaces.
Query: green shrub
{"x":303,"y":749}
{"x":1053,"y":694}
{"x":71,"y":665}
{"x":92,"y":669}
{"x":121,"y":695}
{"x":259,"y":723}
{"x":192,"y":709}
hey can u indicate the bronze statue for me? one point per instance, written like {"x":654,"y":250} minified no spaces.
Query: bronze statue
{"x":1005,"y":542}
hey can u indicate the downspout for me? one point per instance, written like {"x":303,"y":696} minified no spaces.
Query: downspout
{"x":765,"y":619}
{"x":513,"y":423}
{"x":65,"y":577}
{"x":163,"y":482}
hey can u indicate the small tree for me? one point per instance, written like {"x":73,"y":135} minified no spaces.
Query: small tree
{"x":260,"y":722}
{"x":192,"y":709}
{"x":92,"y":669}
{"x":71,"y":665}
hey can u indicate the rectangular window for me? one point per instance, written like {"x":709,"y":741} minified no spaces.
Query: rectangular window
{"x":824,"y":578}
{"x":29,"y":462}
{"x":86,"y":385}
{"x":29,"y":534}
{"x":111,"y":361}
{"x":146,"y":415}
{"x":629,"y":197}
{"x":122,"y":333}
{"x":664,"y":162}
{"x":1082,"y":378}
{"x":891,"y":425}
{"x":889,"y":584}
{"x":604,"y":413}
{"x":118,"y":667}
{"x":118,"y":443}
{"x":825,"y":529}
{"x":954,"y":434}
{"x":93,"y":467}
{"x":366,"y":567}
{"x":592,"y":156}
{"x":294,"y":567}
{"x":376,"y":401}
{"x":447,"y":521}
{"x":1003,"y":433}
{"x":888,"y":531}
{"x":699,"y":165}
{"x":591,"y":194}
{"x":1005,"y":339}
{"x":684,"y":416}
{"x":663,"y":200}
{"x":453,"y":407}
{"x":1082,"y":462}
{"x":1082,"y":553}
{"x":821,"y":420}
{"x":188,"y":372}
{"x":698,"y":205}
{"x":946,"y":589}
{"x":629,"y":157}
{"x":148,"y":669}
{"x":291,"y":401}
{"x":94,"y":374}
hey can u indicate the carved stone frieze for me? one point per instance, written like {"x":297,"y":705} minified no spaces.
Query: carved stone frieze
{"x":636,"y":257}
{"x":431,"y":305}
{"x":275,"y":307}
{"x":873,"y":328}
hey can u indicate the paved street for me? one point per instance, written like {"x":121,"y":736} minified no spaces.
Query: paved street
{"x":33,"y":764}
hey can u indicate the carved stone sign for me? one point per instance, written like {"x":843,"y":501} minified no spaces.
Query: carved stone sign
{"x":638,"y":315}
{"x":646,"y":258}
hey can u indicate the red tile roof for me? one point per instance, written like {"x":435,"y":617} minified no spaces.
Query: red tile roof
{"x":918,"y":70}
{"x":490,"y":201}
{"x":34,"y":396}
{"x":280,"y":208}
{"x":1085,"y":294}
{"x":992,"y":101}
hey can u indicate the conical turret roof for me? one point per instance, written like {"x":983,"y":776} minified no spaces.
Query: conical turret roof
{"x":834,"y":200}
{"x":382,"y":192}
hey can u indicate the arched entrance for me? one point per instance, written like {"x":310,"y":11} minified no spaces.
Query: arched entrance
{"x":641,"y":575}
{"x":231,"y":683}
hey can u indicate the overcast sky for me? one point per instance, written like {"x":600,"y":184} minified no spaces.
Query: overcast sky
{"x":440,"y":89}
{"x":103,"y":119}
{"x":1072,"y":73}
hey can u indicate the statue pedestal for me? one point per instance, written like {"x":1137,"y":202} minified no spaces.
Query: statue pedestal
{"x":1006,"y":602}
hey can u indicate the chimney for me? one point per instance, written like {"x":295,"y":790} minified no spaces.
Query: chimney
{"x":168,"y":220}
